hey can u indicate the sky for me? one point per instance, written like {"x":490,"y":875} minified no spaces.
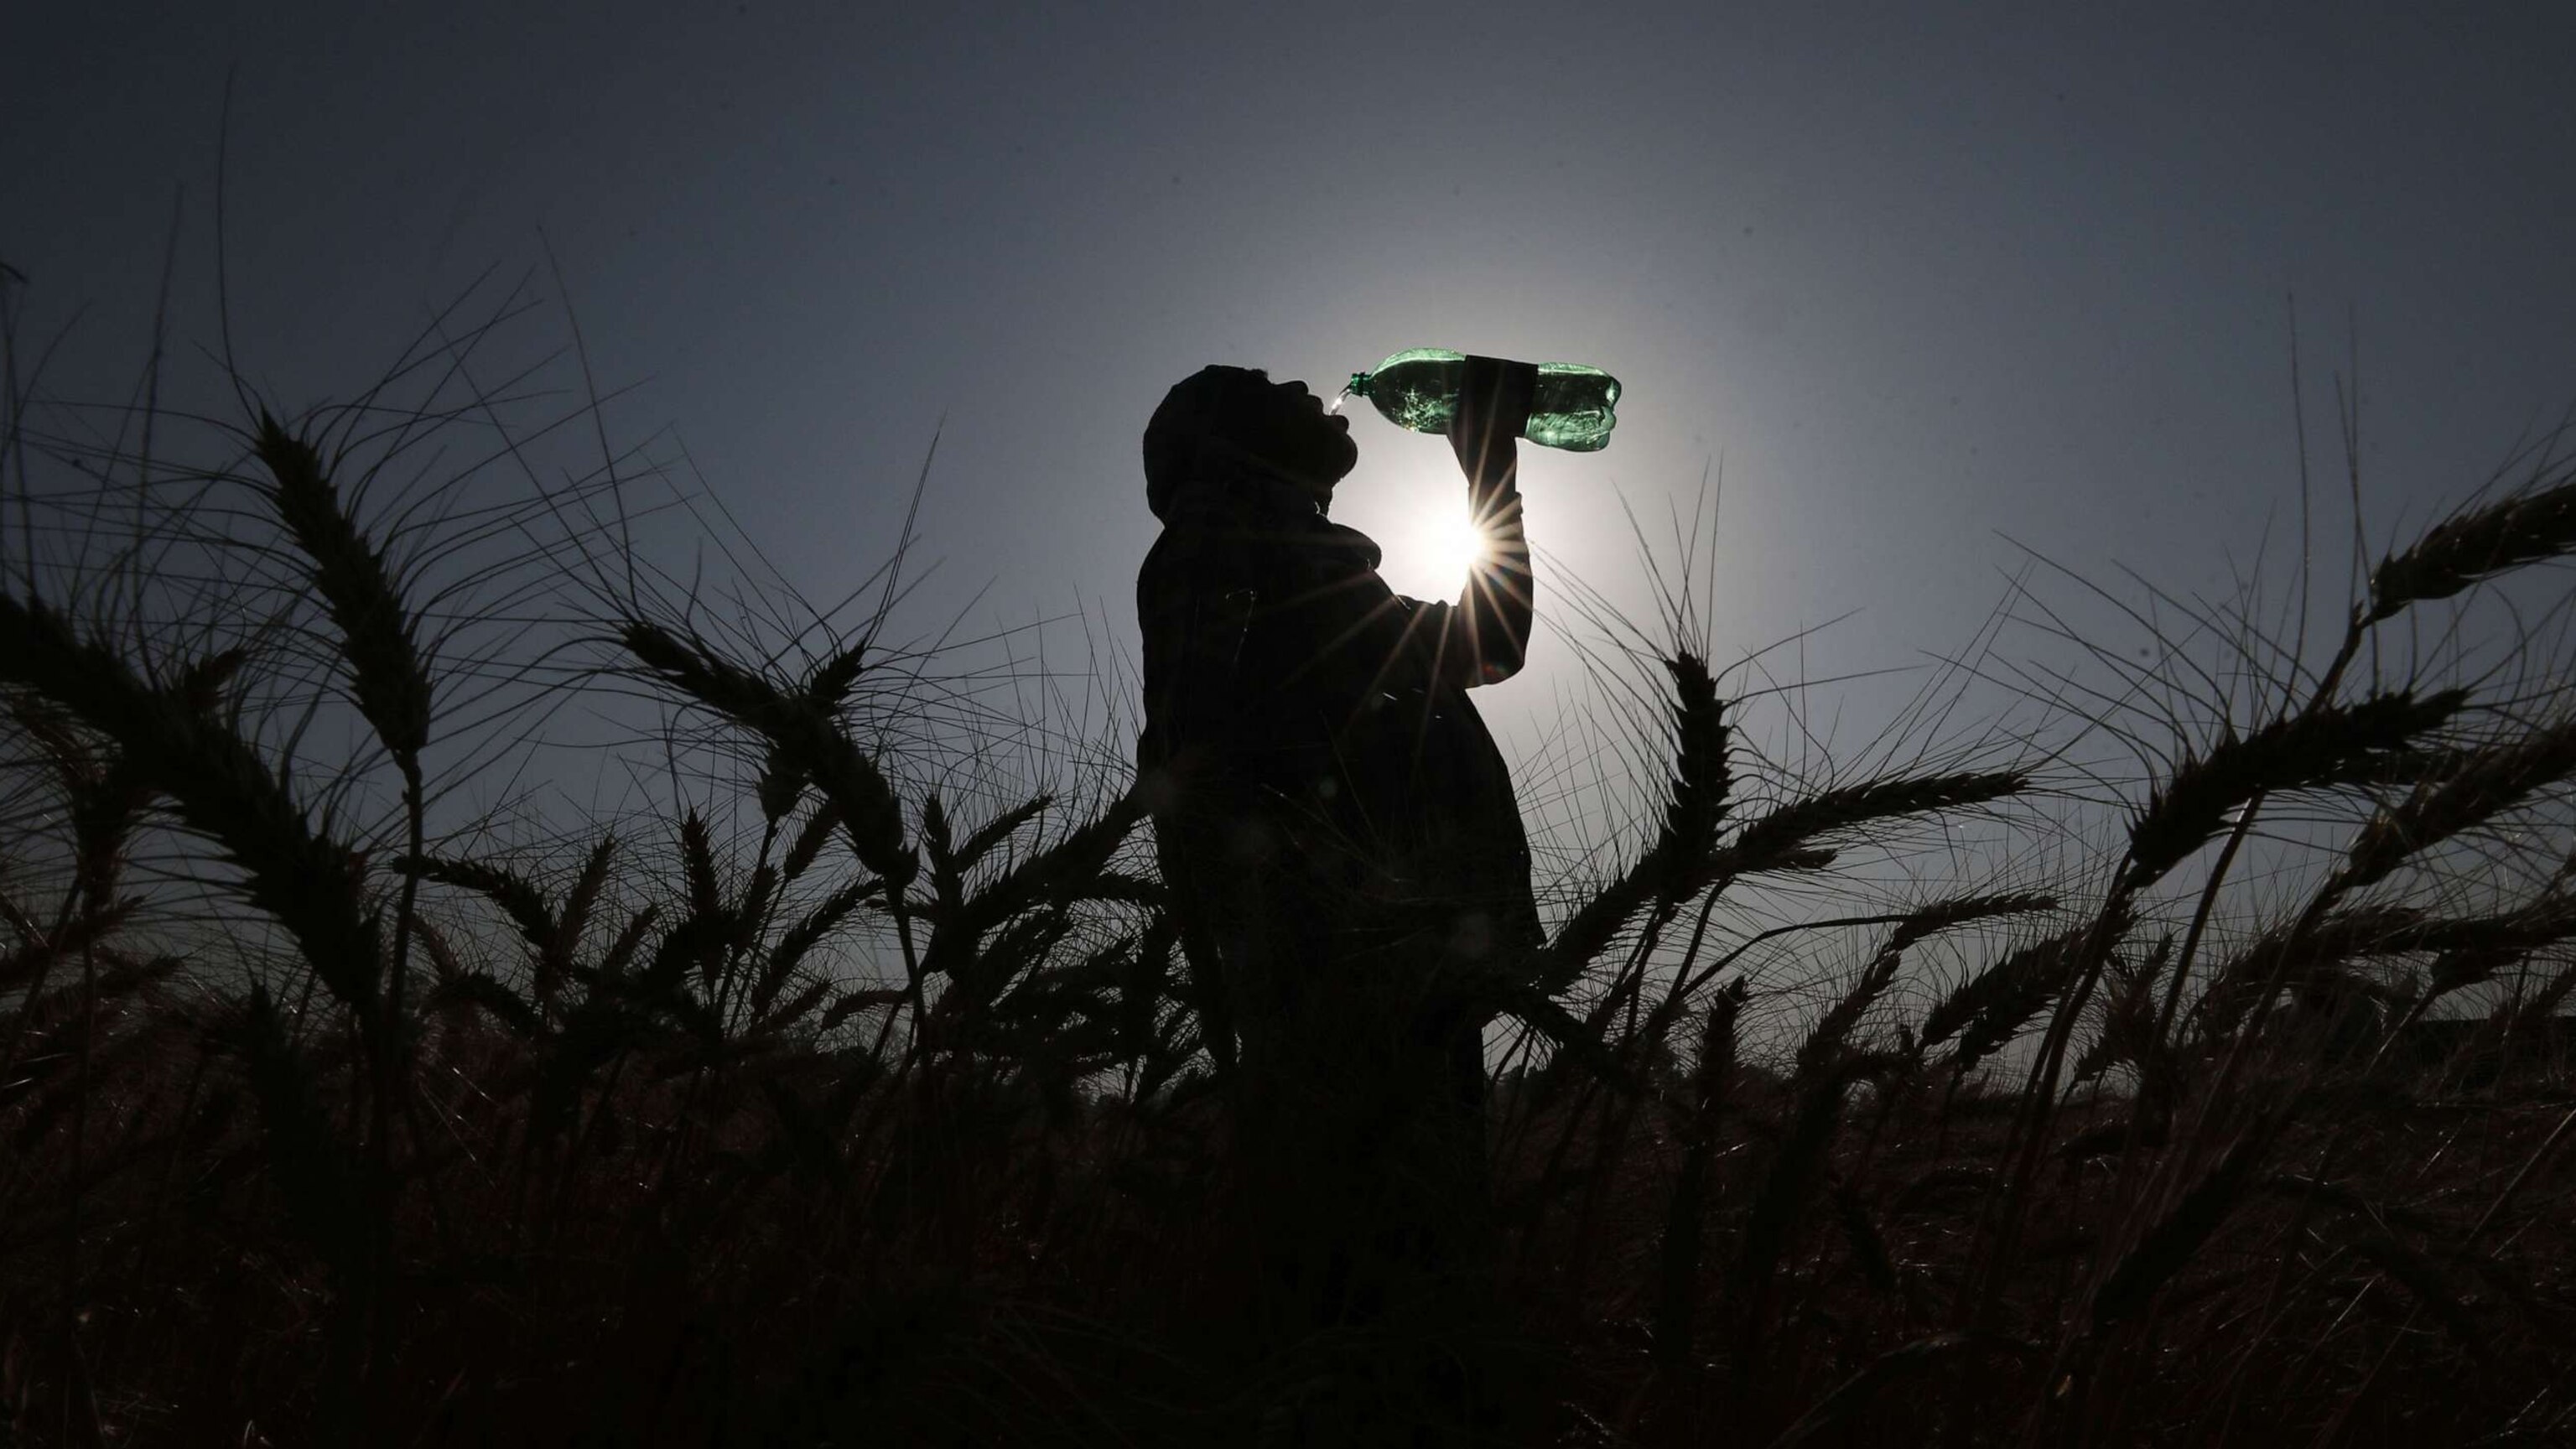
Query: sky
{"x":1934,"y":289}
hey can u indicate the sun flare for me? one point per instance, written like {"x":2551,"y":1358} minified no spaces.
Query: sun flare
{"x":1431,"y":542}
{"x":1454,"y":544}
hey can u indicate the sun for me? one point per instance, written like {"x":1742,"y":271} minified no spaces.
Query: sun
{"x":1454,"y":544}
{"x":1421,"y":519}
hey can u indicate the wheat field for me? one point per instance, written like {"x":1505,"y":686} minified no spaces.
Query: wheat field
{"x":2181,"y":1057}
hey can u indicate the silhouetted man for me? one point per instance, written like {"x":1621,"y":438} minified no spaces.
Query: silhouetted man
{"x":1337,"y":828}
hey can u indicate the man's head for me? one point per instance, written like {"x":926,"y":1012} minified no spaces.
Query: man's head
{"x":1227,"y":422}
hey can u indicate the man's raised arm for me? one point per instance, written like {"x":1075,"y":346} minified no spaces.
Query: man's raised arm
{"x":1488,"y":629}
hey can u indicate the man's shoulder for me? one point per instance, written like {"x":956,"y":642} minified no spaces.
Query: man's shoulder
{"x":1309,"y":556}
{"x":1343,"y":538}
{"x":1178,"y":555}
{"x":1234,"y":538}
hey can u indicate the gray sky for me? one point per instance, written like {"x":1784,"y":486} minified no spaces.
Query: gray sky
{"x":1918,"y":276}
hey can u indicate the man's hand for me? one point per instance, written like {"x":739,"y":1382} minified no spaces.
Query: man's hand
{"x":1494,"y":399}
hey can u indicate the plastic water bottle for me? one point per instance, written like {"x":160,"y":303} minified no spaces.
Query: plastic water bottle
{"x":1418,"y":389}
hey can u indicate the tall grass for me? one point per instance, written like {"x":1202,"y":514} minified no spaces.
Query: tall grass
{"x":848,"y":1080}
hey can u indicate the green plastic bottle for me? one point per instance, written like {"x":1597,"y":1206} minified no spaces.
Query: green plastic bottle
{"x":1418,"y":389}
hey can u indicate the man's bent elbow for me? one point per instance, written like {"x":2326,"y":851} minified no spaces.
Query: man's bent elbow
{"x":1492,"y":660}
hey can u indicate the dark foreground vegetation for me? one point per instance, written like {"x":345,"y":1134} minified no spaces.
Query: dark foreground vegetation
{"x":355,"y":1090}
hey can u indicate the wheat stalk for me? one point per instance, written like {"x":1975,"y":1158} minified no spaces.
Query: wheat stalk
{"x":804,"y":936}
{"x":1685,"y":1215}
{"x":358,"y":589}
{"x":2316,"y":748}
{"x":1988,"y":1009}
{"x":2485,"y":784}
{"x":2506,"y":534}
{"x":311,"y":884}
{"x":2173,"y":1239}
{"x":1777,"y":838}
{"x":800,"y":729}
{"x":1675,"y":865}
